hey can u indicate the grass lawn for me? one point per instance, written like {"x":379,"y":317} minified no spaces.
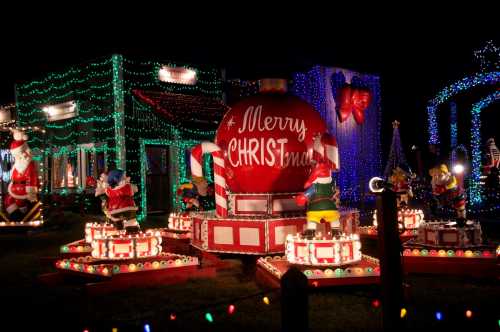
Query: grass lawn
{"x":30,"y":306}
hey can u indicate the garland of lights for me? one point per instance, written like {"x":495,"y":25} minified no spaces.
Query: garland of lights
{"x":359,"y":146}
{"x":118,"y":103}
{"x":181,"y":166}
{"x":452,"y":90}
{"x":475,"y":187}
{"x":109,"y":114}
{"x":453,"y":126}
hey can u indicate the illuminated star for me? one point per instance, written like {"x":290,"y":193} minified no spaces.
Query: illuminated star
{"x":230,"y":123}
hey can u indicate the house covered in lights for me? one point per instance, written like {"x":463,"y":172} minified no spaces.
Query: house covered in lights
{"x":118,"y":112}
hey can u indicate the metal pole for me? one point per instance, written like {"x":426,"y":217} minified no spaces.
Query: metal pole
{"x":390,"y":260}
{"x":294,"y":301}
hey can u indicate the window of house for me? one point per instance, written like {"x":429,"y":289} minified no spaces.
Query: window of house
{"x":93,"y":164}
{"x":178,"y":75}
{"x":78,"y":169}
{"x":58,"y":170}
{"x":61,"y":111}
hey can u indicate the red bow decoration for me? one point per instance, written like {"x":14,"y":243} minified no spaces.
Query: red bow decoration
{"x":90,"y":182}
{"x":355,"y":101}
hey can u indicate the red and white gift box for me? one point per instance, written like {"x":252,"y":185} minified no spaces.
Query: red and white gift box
{"x":445,"y":234}
{"x":263,"y":204}
{"x":411,"y":218}
{"x":180,"y":221}
{"x":127,"y":246}
{"x":95,"y":230}
{"x":256,"y":235}
{"x":342,"y":250}
{"x":246,"y":235}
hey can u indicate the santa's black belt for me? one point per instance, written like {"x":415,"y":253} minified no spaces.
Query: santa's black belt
{"x":17,"y":182}
{"x":317,"y":200}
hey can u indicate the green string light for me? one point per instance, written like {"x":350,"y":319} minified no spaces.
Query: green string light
{"x":110,"y":116}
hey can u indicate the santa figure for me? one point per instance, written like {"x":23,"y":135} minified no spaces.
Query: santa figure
{"x":23,"y":187}
{"x":119,"y":206}
{"x":321,"y":198}
{"x":400,"y":181}
{"x":446,"y":189}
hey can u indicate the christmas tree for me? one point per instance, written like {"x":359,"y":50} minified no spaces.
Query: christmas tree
{"x":396,"y":154}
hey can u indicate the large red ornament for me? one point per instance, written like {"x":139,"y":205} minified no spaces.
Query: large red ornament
{"x":354,"y":101}
{"x":267,"y":141}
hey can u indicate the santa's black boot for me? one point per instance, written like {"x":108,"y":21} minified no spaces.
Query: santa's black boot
{"x":309,"y":234}
{"x":119,"y":225}
{"x":132,"y":226}
{"x":16,"y":216}
{"x":132,"y":229}
{"x":461,"y":222}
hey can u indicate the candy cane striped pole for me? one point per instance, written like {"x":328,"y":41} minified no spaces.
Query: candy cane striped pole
{"x":219,"y":173}
{"x":325,"y":149}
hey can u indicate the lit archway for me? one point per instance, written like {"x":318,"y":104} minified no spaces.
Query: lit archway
{"x":452,"y":90}
{"x":475,"y":186}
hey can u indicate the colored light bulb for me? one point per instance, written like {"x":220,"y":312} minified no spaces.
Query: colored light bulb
{"x":173,"y":316}
{"x":231,"y":309}
{"x":265,"y":299}
{"x":439,"y":315}
{"x":209,"y":317}
{"x":468,"y":314}
{"x":403,"y":313}
{"x":376,"y":303}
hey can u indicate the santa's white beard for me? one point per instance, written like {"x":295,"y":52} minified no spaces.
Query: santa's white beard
{"x":21,"y":163}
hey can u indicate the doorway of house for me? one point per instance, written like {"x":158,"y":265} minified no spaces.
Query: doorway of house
{"x":157,"y":179}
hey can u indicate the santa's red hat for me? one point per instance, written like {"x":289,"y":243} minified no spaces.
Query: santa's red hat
{"x":19,"y":143}
{"x":321,"y":171}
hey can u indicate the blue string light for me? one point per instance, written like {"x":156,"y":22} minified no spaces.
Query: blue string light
{"x":396,"y":154}
{"x":359,"y":145}
{"x":452,"y":90}
{"x":453,"y":125}
{"x":475,"y":187}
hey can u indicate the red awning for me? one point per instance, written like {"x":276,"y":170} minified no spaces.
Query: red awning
{"x":185,"y":110}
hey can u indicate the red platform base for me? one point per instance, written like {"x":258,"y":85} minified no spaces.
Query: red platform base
{"x":370,"y":232}
{"x":365,"y":272}
{"x":256,"y":235}
{"x":176,"y":234}
{"x":479,"y":262}
{"x":103,"y":275}
{"x":75,"y":249}
{"x":170,"y":239}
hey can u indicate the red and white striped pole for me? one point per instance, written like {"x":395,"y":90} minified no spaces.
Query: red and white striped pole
{"x":219,"y":173}
{"x":325,"y":150}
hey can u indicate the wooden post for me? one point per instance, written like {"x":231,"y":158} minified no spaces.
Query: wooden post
{"x":390,"y":260}
{"x":294,"y":301}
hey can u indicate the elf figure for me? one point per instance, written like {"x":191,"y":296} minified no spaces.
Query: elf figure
{"x":446,"y":189}
{"x":400,"y":181}
{"x":23,"y":187}
{"x":197,"y":195}
{"x":320,"y":196}
{"x":120,"y":206}
{"x":205,"y":193}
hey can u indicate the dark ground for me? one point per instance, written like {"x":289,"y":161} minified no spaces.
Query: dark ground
{"x":30,"y":306}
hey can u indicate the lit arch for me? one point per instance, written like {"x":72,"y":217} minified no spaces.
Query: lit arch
{"x":475,"y":187}
{"x":452,"y":90}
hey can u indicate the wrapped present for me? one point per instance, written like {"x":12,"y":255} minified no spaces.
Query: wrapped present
{"x":342,"y":250}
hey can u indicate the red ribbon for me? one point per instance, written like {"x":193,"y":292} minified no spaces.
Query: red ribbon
{"x":355,"y":101}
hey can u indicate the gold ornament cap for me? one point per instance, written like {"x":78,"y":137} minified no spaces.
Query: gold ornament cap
{"x":273,"y":85}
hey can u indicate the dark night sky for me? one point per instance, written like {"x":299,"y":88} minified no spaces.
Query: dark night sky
{"x":415,"y":57}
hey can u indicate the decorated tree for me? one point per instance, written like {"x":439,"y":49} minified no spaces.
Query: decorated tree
{"x":396,"y":154}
